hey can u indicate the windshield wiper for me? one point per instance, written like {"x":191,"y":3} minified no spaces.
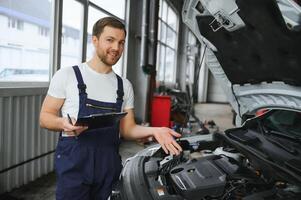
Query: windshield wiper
{"x":265,"y":131}
{"x":278,"y":133}
{"x":283,"y":146}
{"x":280,"y":144}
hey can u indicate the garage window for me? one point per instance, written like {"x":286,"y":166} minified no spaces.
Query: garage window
{"x":24,"y":42}
{"x":167,"y":43}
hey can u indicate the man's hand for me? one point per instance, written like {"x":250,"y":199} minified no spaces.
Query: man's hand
{"x":165,"y":137}
{"x":71,"y":130}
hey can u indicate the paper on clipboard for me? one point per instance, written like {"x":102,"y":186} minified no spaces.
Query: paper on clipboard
{"x":100,"y":120}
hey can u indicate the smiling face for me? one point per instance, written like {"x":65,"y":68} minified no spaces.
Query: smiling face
{"x":109,"y":45}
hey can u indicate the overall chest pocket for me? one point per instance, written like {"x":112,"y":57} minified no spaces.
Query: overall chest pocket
{"x":95,"y":109}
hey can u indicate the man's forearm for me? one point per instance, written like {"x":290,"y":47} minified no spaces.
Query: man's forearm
{"x":51,"y":121}
{"x":138,"y":132}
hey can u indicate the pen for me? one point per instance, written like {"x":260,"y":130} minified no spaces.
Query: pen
{"x":70,"y":121}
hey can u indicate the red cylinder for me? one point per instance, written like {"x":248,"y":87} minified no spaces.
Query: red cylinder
{"x":160,"y":115}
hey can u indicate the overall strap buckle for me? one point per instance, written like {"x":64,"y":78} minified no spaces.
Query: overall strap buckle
{"x":120,"y":95}
{"x":81,"y":88}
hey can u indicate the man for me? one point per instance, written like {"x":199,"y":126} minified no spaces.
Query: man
{"x":87,"y":161}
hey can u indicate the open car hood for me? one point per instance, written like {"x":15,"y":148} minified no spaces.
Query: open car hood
{"x":253,"y":49}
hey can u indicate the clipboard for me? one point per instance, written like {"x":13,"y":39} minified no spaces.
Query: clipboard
{"x":102,"y":120}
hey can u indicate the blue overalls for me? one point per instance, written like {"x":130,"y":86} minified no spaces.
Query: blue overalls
{"x":89,"y":164}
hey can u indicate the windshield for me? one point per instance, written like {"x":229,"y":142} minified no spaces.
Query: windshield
{"x":284,"y":121}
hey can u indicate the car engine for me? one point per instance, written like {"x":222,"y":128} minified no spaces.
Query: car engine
{"x":222,"y":173}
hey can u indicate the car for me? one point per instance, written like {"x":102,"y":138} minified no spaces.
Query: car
{"x":253,"y":49}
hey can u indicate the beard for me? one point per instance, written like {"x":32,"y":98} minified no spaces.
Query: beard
{"x":108,"y":59}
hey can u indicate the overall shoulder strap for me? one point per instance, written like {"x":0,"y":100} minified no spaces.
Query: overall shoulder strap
{"x":120,"y":92}
{"x":80,"y":83}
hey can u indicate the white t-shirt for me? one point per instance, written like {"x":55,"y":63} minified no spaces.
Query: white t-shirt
{"x":100,"y":87}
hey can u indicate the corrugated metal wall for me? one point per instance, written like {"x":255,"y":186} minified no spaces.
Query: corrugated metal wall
{"x":21,"y":139}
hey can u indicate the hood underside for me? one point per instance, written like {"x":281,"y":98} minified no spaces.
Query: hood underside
{"x":253,"y":49}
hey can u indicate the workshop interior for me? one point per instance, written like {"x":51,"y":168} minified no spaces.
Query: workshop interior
{"x":225,"y":74}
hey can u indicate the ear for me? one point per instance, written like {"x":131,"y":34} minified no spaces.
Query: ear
{"x":94,"y":40}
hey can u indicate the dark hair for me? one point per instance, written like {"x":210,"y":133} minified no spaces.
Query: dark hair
{"x":107,"y":21}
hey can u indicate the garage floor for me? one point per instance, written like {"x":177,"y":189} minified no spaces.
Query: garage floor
{"x":44,"y":187}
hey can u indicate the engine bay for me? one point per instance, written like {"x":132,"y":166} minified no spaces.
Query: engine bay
{"x":222,"y":173}
{"x":242,"y":163}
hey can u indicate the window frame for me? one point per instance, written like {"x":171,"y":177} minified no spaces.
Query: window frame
{"x":164,"y":44}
